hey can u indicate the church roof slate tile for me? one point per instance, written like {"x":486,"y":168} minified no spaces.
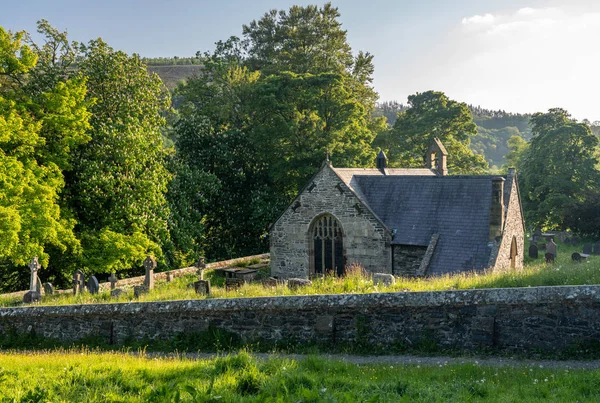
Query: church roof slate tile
{"x":455,"y":207}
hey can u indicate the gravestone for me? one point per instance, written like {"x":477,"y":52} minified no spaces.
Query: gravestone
{"x":552,"y":248}
{"x":116,"y":293}
{"x":295,"y":283}
{"x":579,"y":257}
{"x":596,"y":250}
{"x":233,"y":283}
{"x":93,"y":286}
{"x":549,"y":258}
{"x":113,"y":281}
{"x":169,"y":277}
{"x":587,"y":248}
{"x":271,"y":282}
{"x":202,"y":287}
{"x":383,"y":278}
{"x":139,"y":290}
{"x":537,"y":235}
{"x":533,"y":251}
{"x":33,"y":295}
{"x":149,"y":265}
{"x":48,"y":288}
{"x":200,"y":263}
{"x":78,"y":282}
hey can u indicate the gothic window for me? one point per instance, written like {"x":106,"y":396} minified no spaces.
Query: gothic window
{"x":327,"y":246}
{"x":513,"y":252}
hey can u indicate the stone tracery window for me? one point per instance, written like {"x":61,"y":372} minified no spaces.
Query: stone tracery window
{"x":327,"y":246}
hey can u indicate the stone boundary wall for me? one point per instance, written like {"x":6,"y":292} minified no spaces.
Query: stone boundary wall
{"x":131,"y":281}
{"x":536,"y":318}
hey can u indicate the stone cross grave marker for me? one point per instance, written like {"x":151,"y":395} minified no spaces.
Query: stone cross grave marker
{"x":113,"y":281}
{"x":551,"y":248}
{"x":93,"y":286}
{"x":48,"y":288}
{"x":33,"y":295}
{"x":596,"y":250}
{"x":202,"y":287}
{"x":149,"y":265}
{"x":587,"y":248}
{"x":78,"y":282}
{"x":533,"y":251}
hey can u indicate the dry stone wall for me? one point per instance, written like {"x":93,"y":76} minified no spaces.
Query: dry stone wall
{"x":365,"y":240}
{"x":537,"y":318}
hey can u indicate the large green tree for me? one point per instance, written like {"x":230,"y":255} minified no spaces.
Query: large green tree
{"x":558,"y":168}
{"x":432,"y":115}
{"x":37,"y":133}
{"x":263,"y":112}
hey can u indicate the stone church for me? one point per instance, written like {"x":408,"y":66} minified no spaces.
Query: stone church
{"x":407,"y":222}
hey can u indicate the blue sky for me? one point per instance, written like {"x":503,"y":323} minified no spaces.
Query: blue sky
{"x":516,"y":55}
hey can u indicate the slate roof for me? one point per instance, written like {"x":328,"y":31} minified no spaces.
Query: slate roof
{"x":455,"y":207}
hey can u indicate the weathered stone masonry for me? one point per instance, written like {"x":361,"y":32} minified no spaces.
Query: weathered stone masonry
{"x":365,"y":239}
{"x":545,"y":318}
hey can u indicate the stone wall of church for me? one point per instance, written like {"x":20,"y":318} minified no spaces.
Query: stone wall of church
{"x":407,"y":259}
{"x":512,"y":227}
{"x":365,"y":239}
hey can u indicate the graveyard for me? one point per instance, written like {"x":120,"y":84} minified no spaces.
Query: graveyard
{"x":575,"y":263}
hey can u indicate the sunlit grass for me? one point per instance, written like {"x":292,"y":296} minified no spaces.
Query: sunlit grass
{"x":71,"y":376}
{"x":536,"y":273}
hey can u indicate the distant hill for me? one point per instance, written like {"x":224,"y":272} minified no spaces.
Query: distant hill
{"x":172,"y":75}
{"x":494,"y":128}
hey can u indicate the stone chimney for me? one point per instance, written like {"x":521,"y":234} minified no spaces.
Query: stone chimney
{"x":497,"y":208}
{"x":436,"y":157}
{"x":381,"y":161}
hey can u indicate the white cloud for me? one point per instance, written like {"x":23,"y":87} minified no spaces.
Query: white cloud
{"x":478,"y":19}
{"x":526,"y":61}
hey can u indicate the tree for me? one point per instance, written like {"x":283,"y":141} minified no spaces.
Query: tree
{"x":517,"y":148}
{"x":432,"y":115}
{"x":36,"y":136}
{"x":117,"y":190}
{"x":261,"y":115}
{"x":558,"y":169}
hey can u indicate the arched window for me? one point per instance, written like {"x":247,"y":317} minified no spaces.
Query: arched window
{"x":327,"y":246}
{"x":513,"y":252}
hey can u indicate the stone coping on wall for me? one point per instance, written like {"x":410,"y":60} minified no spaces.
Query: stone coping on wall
{"x":490,"y":296}
{"x":158,"y":276}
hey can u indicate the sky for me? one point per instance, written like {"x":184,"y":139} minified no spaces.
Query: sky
{"x":520,"y":56}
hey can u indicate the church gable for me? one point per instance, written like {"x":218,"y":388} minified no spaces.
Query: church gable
{"x":297,"y":237}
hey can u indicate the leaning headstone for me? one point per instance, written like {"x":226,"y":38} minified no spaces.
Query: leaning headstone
{"x":78,"y":282}
{"x":140,"y":290}
{"x":383,"y":278}
{"x":295,"y":283}
{"x":549,"y":258}
{"x":113,"y":281}
{"x":93,"y":286}
{"x":202,"y":287}
{"x":551,"y":248}
{"x":48,"y":288}
{"x":33,"y":295}
{"x":149,"y":265}
{"x":533,"y":251}
{"x":116,"y":293}
{"x":596,"y":250}
{"x":587,"y":248}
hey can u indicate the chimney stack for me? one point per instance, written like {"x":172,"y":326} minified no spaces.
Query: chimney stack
{"x":381,"y":161}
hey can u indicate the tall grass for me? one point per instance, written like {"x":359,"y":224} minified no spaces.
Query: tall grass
{"x":357,"y":281}
{"x":84,"y":376}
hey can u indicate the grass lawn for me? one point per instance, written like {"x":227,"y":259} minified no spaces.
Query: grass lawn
{"x":117,"y":377}
{"x":535,"y":273}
